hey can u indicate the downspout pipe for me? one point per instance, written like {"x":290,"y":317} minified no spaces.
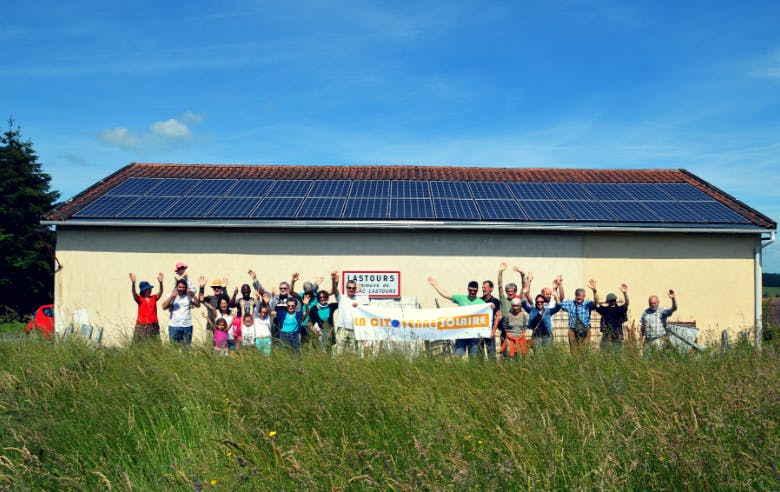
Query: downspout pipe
{"x":757,"y":252}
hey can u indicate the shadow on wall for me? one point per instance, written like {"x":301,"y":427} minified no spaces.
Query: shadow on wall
{"x":393,"y":242}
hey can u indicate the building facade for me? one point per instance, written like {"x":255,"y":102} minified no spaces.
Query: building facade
{"x":651,"y":229}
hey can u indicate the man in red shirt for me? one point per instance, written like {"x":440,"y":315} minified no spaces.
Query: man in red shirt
{"x":147,"y":326}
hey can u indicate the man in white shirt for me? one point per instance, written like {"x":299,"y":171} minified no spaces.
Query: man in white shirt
{"x":345,"y":326}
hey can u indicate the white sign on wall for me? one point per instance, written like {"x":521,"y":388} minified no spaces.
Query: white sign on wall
{"x":377,"y":284}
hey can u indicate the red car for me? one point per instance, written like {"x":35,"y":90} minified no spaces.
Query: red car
{"x":43,"y":320}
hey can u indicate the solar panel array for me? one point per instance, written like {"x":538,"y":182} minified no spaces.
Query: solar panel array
{"x":257,"y":199}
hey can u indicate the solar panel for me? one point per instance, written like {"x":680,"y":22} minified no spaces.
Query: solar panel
{"x":569,"y":191}
{"x":646,"y":192}
{"x":106,"y":206}
{"x":490,"y":190}
{"x":330,"y":188}
{"x":632,"y":212}
{"x":684,"y":192}
{"x":189,"y":207}
{"x":455,"y":209}
{"x":588,"y":210}
{"x":530,"y":191}
{"x":370,"y":189}
{"x":233,"y":208}
{"x":275,"y":208}
{"x":410,"y":189}
{"x":366,"y":208}
{"x":211,"y":187}
{"x":450,"y":189}
{"x":175,"y":187}
{"x":250,"y":188}
{"x":321,"y":208}
{"x":545,"y":210}
{"x":607,"y":191}
{"x":289,"y":188}
{"x":411,"y":208}
{"x":135,"y":186}
{"x":673,"y":211}
{"x":500,"y":210}
{"x":149,"y":207}
{"x":716,"y":212}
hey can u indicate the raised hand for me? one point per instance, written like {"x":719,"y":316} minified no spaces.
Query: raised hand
{"x":558,"y":280}
{"x":319,"y":280}
{"x":431,"y":281}
{"x":623,"y":288}
{"x":160,"y":277}
{"x":296,"y":276}
{"x":235,"y":292}
{"x":334,"y":275}
{"x":224,"y":284}
{"x":517,"y":269}
{"x":202,"y":281}
{"x":306,"y":299}
{"x":529,"y":277}
{"x":252,"y":274}
{"x":132,"y":278}
{"x":502,"y":266}
{"x":671,"y":294}
{"x":592,"y":284}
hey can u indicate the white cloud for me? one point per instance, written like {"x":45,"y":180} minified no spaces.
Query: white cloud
{"x":162,"y":135}
{"x":121,"y":137}
{"x":190,"y":117}
{"x":171,"y":129}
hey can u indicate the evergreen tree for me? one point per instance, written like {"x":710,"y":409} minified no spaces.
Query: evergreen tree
{"x":26,"y":277}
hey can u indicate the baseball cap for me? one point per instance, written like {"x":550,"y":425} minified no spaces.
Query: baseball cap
{"x":611,"y":297}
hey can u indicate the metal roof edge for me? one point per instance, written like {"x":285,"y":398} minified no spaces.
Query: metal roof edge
{"x":322,"y":224}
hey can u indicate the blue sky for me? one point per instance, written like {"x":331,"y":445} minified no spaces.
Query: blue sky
{"x":568,"y":83}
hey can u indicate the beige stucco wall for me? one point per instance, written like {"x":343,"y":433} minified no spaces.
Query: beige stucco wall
{"x":712,"y":275}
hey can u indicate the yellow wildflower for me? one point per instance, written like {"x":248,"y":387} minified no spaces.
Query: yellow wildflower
{"x":272,"y":433}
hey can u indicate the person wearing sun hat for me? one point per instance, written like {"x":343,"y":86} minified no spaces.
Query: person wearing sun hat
{"x":219,"y":287}
{"x":612,"y":318}
{"x":181,"y":274}
{"x":147,"y":325}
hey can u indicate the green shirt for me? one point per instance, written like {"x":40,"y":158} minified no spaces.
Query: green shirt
{"x":463,"y":300}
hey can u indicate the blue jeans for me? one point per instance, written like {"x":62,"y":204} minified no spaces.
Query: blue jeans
{"x":180,"y":334}
{"x":463,"y":344}
{"x":291,"y":339}
{"x":538,"y":343}
{"x":490,"y":343}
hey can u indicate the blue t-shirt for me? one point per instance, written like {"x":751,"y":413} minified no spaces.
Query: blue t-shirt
{"x":291,"y":323}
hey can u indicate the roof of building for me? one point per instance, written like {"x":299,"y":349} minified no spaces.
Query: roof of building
{"x":200,"y":194}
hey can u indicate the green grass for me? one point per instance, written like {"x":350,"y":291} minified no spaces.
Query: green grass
{"x":771,"y":292}
{"x":156,"y":418}
{"x":12,"y":327}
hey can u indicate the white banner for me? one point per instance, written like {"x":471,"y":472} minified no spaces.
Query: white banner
{"x":399,"y":324}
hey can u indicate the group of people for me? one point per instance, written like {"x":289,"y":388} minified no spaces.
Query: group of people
{"x":515,"y":314}
{"x":256,"y":317}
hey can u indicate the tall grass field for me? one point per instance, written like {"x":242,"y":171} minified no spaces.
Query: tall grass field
{"x":160,"y":418}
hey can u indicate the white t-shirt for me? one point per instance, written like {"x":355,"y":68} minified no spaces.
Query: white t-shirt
{"x":346,"y":310}
{"x":258,"y":329}
{"x":180,"y":311}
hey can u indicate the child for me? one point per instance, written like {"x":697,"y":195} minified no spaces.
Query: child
{"x":147,"y":325}
{"x":221,"y":337}
{"x":263,"y":336}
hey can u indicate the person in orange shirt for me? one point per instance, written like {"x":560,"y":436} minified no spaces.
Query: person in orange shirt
{"x":147,"y":326}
